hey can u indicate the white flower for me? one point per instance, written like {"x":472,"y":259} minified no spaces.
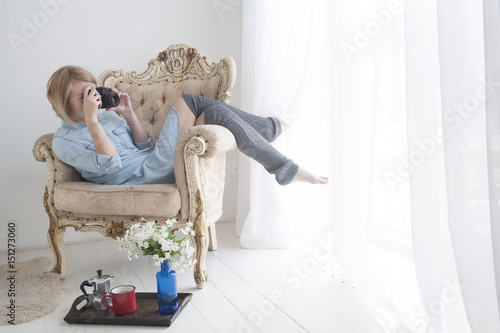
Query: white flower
{"x":149,"y":238}
{"x":170,"y":223}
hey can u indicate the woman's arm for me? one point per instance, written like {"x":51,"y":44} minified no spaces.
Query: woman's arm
{"x":102,"y":143}
{"x":83,"y":159}
{"x":139,"y":134}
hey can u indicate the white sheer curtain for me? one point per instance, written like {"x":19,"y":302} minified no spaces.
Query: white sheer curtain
{"x":397,"y":102}
{"x":279,"y":78}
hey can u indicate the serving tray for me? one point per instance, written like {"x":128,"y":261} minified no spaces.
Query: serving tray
{"x":147,"y":313}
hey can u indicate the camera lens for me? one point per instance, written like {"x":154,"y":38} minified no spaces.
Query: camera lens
{"x":108,"y":98}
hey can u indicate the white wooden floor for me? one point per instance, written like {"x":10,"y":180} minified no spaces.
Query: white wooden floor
{"x":301,"y":289}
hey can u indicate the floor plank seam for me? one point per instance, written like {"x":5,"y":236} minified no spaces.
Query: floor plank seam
{"x":277,"y":306}
{"x":235,"y":306}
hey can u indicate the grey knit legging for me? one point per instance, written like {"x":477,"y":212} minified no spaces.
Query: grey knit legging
{"x":253,"y":134}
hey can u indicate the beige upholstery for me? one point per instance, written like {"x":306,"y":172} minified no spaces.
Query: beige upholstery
{"x":152,"y":102}
{"x":77,"y":199}
{"x":199,"y":162}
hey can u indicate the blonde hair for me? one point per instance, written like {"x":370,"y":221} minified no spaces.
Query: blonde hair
{"x":59,"y":88}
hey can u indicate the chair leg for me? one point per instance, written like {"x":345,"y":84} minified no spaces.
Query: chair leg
{"x":55,"y":237}
{"x":200,"y":274}
{"x":56,"y":242}
{"x":212,"y":245}
{"x":201,"y":240}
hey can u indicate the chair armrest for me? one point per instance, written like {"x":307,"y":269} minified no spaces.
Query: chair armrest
{"x":42,"y":146}
{"x":200,"y":164}
{"x":58,"y":171}
{"x":217,"y":139}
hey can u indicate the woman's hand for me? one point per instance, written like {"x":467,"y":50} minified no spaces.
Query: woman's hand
{"x":139,"y":134}
{"x":125,"y":106}
{"x":91,"y":103}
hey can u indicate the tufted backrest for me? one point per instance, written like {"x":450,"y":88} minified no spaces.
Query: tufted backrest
{"x":153,"y":101}
{"x":178,"y":70}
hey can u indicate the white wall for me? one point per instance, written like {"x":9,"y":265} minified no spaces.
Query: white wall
{"x":96,"y":35}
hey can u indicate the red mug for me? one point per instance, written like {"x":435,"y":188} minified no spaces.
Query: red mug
{"x":123,"y":300}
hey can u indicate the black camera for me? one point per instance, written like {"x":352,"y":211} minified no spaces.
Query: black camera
{"x":108,"y":98}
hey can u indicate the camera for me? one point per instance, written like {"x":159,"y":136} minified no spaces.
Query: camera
{"x":108,"y":98}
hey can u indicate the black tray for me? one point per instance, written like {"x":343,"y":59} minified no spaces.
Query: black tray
{"x":147,"y":313}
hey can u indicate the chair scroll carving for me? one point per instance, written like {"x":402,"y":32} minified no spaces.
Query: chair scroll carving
{"x":178,"y":63}
{"x":195,"y":147}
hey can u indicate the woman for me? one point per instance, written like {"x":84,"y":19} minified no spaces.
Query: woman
{"x":105,"y":149}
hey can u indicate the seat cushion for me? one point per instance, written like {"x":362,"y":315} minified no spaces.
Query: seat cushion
{"x":118,"y":200}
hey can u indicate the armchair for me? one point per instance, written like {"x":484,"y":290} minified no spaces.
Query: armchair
{"x":197,"y":196}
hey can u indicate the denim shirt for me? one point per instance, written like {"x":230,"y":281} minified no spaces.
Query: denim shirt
{"x":74,"y":146}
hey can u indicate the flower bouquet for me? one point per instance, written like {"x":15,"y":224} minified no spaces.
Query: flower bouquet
{"x":160,"y":242}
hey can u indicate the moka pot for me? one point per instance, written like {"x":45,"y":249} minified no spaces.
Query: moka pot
{"x":102,"y":286}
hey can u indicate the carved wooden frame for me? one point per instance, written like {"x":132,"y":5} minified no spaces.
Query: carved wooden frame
{"x":178,"y":63}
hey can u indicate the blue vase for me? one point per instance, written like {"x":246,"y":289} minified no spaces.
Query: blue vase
{"x":166,"y":281}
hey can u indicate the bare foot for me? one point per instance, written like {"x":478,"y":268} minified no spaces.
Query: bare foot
{"x":305,"y":176}
{"x":285,"y":126}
